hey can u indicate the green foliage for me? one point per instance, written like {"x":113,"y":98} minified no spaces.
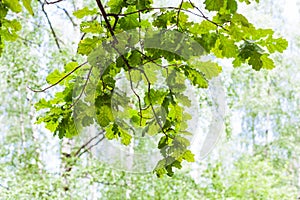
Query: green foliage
{"x":148,"y":46}
{"x":9,"y":27}
{"x":81,"y":13}
{"x":25,"y":158}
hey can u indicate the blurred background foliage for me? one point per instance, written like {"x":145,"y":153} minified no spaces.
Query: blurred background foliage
{"x":258,"y":157}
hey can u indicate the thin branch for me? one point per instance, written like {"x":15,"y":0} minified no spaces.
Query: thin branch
{"x":53,"y":2}
{"x":7,"y":188}
{"x":84,"y":86}
{"x":151,"y":105}
{"x":28,"y":41}
{"x":139,"y":98}
{"x":205,"y":17}
{"x":87,"y":143}
{"x":154,"y":59}
{"x":90,"y":147}
{"x":68,"y":15}
{"x":50,"y":25}
{"x":60,"y":80}
{"x":110,"y":29}
{"x":168,"y":8}
{"x":178,"y":13}
{"x":103,"y":12}
{"x":84,"y":34}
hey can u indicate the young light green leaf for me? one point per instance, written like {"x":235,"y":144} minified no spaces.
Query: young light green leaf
{"x":81,"y":13}
{"x":27,"y":5}
{"x":54,"y":77}
{"x":214,"y":5}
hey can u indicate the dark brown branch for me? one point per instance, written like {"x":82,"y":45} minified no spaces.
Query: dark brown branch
{"x":151,"y":105}
{"x":167,"y":8}
{"x":7,"y":188}
{"x":104,"y":14}
{"x":60,"y":80}
{"x":28,"y":41}
{"x":178,"y":14}
{"x":205,"y":17}
{"x":149,"y":60}
{"x":87,"y":143}
{"x":68,"y":15}
{"x":84,"y":34}
{"x":53,"y":2}
{"x":139,"y":98}
{"x":50,"y":25}
{"x":110,"y":29}
{"x":84,"y":86}
{"x":90,"y":147}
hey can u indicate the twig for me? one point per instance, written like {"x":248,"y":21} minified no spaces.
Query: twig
{"x":205,"y":17}
{"x":50,"y":25}
{"x":167,"y":8}
{"x":151,"y":105}
{"x":68,"y":15}
{"x":84,"y":34}
{"x":53,"y":2}
{"x":90,"y":147}
{"x":7,"y":188}
{"x":139,"y":98}
{"x":84,"y":86}
{"x":29,"y":41}
{"x":60,"y":80}
{"x":178,"y":13}
{"x":87,"y":143}
{"x":103,"y":12}
{"x":110,"y":29}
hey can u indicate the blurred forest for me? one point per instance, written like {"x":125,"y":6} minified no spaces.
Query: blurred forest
{"x":257,"y":156}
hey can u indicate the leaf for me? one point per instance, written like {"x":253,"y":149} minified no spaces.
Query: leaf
{"x":104,"y":116}
{"x":143,"y":4}
{"x":125,"y":137}
{"x":165,"y":19}
{"x":14,"y":5}
{"x":197,"y":78}
{"x":160,"y":168}
{"x":214,"y":5}
{"x":279,"y":44}
{"x":186,"y":5}
{"x":183,"y":99}
{"x":255,"y":61}
{"x":27,"y":5}
{"x":228,"y":47}
{"x":232,"y":5}
{"x":155,"y":96}
{"x":267,"y":62}
{"x":208,"y":68}
{"x":42,"y":104}
{"x":70,"y":66}
{"x":91,"y":27}
{"x":135,"y":59}
{"x":81,"y":13}
{"x":188,"y":156}
{"x":97,"y":58}
{"x":202,"y":28}
{"x":111,"y":131}
{"x":129,"y":22}
{"x":86,"y":46}
{"x":54,"y":77}
{"x":116,"y":5}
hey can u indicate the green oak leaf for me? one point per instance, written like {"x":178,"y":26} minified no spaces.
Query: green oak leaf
{"x":27,"y":5}
{"x":81,"y":13}
{"x":214,"y":5}
{"x":54,"y":77}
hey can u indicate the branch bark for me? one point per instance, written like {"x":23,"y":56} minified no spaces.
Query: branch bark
{"x":50,"y":25}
